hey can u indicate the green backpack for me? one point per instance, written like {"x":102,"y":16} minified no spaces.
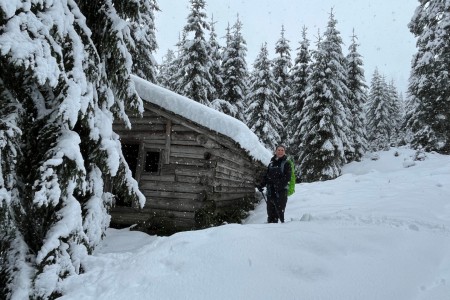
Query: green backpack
{"x":291,"y":185}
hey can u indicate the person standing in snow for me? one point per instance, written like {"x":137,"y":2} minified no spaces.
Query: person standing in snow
{"x":276,"y":179}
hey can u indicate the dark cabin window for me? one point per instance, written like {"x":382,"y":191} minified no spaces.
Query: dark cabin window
{"x":152,"y":161}
{"x":131,"y":154}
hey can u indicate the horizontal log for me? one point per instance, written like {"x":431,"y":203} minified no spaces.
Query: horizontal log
{"x":244,"y":161}
{"x":206,"y":142}
{"x":233,"y":173}
{"x":166,"y":178}
{"x":218,"y":197}
{"x":173,"y":187}
{"x":179,"y":220}
{"x":174,"y":204}
{"x":150,"y":194}
{"x":185,"y":136}
{"x":137,"y":137}
{"x":193,"y":171}
{"x":157,"y":120}
{"x":127,"y":216}
{"x":148,"y":128}
{"x":187,"y":161}
{"x":197,"y":155}
{"x":150,"y":113}
{"x":216,"y":181}
{"x":187,"y":124}
{"x":181,"y":128}
{"x":227,"y":189}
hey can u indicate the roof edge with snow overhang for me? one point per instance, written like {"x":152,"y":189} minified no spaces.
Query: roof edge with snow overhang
{"x":204,"y":116}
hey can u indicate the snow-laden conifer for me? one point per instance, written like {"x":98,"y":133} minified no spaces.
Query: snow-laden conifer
{"x":66,"y":70}
{"x":194,"y":78}
{"x":235,"y":73}
{"x":357,"y":99}
{"x":175,"y":81}
{"x":379,"y":125}
{"x":300,"y":73}
{"x":323,"y":121}
{"x":216,"y":62}
{"x":429,"y":79}
{"x":167,"y":70}
{"x":394,"y":111}
{"x":282,"y":65}
{"x":264,"y":117}
{"x":143,"y":33}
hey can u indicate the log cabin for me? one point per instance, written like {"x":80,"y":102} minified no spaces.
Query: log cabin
{"x":197,"y":167}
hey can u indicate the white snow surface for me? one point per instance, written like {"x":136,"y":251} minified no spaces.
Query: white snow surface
{"x":380,"y":231}
{"x":203,"y":115}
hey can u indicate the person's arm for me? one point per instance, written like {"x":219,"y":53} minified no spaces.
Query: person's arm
{"x":286,"y":177}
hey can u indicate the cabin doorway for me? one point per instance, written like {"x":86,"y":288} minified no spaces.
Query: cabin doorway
{"x":130,"y":152}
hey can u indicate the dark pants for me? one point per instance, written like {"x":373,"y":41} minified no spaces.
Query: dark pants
{"x":276,"y":204}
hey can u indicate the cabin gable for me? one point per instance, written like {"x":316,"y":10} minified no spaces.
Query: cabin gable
{"x":191,"y":176}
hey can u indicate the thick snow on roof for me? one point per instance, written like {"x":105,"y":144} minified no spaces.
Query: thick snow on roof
{"x":203,"y":115}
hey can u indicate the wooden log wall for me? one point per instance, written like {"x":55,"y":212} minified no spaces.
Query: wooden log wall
{"x":202,"y":174}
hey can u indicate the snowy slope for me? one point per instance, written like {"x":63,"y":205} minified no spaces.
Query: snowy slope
{"x":380,"y":231}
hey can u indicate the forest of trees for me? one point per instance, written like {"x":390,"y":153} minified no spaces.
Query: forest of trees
{"x":65,"y":78}
{"x":317,"y":104}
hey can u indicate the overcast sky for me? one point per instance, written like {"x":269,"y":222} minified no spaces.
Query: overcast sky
{"x":381,"y":27}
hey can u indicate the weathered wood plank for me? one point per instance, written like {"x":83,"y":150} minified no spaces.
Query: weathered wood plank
{"x":235,"y":189}
{"x":216,"y":181}
{"x":234,"y":174}
{"x":218,"y":197}
{"x":142,"y":136}
{"x":148,"y":121}
{"x":189,"y":149}
{"x":173,"y":187}
{"x":150,"y":194}
{"x":166,"y":178}
{"x":187,"y":161}
{"x":149,"y":128}
{"x":174,"y":204}
{"x":156,"y":142}
{"x":201,"y":180}
{"x":126,"y":217}
{"x":193,"y":171}
{"x":232,"y":157}
{"x":186,"y":124}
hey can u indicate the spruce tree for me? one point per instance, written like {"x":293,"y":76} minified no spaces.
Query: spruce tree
{"x":379,"y":125}
{"x":281,"y":69}
{"x":394,"y":111}
{"x":323,"y":120}
{"x":142,"y":30}
{"x":357,"y":99}
{"x":216,"y":62}
{"x":429,"y":79}
{"x":167,"y":70}
{"x":65,"y":78}
{"x":333,"y":46}
{"x":264,"y":117}
{"x":300,"y":73}
{"x":13,"y":251}
{"x":175,"y":80}
{"x":195,"y":81}
{"x":235,"y":73}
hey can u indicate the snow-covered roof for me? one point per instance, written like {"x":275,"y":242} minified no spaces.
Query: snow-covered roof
{"x":203,"y":115}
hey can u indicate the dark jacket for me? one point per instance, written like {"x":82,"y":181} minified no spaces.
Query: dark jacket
{"x":274,"y":179}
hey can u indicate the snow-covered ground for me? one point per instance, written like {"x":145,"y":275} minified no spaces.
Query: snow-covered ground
{"x":380,"y":231}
